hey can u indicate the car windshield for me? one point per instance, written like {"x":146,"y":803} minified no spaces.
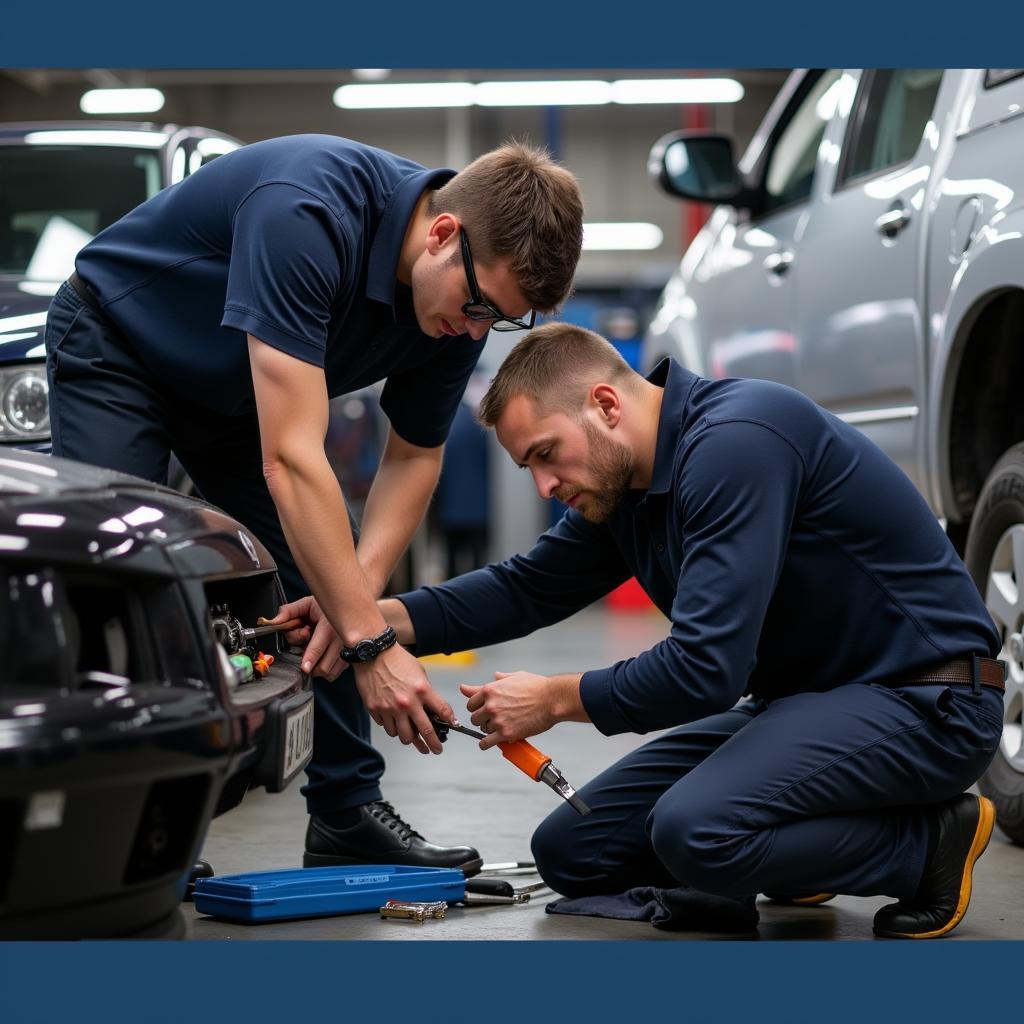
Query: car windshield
{"x":54,"y":199}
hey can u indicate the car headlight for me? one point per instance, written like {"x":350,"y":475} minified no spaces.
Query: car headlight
{"x":24,"y":404}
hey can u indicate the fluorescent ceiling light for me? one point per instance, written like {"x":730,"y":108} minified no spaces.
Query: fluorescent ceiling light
{"x":620,"y":236}
{"x":121,"y":101}
{"x":403,"y":94}
{"x":88,"y":137}
{"x":676,"y":90}
{"x":559,"y":93}
{"x":370,"y":74}
{"x":542,"y":94}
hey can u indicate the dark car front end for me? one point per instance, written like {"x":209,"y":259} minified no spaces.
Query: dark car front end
{"x":123,"y":724}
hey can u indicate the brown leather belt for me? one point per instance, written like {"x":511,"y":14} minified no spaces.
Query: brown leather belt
{"x":85,"y":293}
{"x":973,"y":671}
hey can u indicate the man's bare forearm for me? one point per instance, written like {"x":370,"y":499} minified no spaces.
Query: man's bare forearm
{"x":315,"y":523}
{"x":397,"y":616}
{"x":564,"y":701}
{"x":395,"y":507}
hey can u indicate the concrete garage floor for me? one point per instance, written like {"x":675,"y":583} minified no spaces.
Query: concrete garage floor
{"x":470,"y":796}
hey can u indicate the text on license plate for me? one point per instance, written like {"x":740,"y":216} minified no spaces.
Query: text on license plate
{"x":298,"y":740}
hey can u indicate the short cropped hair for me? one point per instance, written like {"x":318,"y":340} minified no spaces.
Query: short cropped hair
{"x":555,"y":366}
{"x":519,"y":205}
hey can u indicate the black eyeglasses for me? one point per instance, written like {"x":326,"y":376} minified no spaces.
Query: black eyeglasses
{"x":479,"y":309}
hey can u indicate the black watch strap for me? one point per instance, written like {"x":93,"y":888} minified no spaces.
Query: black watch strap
{"x":367,"y":650}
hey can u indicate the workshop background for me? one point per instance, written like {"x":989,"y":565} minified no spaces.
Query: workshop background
{"x":604,"y":143}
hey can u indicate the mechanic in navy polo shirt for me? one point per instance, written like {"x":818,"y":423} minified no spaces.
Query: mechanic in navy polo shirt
{"x":218,"y":318}
{"x":797,"y":565}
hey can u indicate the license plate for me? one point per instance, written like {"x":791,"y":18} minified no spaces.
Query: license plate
{"x":298,"y":740}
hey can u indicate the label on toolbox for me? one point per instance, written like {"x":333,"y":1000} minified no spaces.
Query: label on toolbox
{"x":367,"y":879}
{"x":298,"y":740}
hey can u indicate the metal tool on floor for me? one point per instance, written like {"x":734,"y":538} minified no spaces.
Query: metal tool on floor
{"x":487,"y":900}
{"x":527,"y":758}
{"x":414,"y":911}
{"x":500,"y":887}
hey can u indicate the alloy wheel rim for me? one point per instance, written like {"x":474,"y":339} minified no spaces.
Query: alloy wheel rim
{"x":1004,"y":598}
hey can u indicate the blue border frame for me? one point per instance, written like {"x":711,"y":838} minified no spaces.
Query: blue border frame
{"x":724,"y":981}
{"x":527,"y":33}
{"x":799,"y":982}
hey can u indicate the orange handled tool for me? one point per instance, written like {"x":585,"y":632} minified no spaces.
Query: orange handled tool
{"x":528,"y":759}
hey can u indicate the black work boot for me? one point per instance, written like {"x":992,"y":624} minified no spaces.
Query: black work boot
{"x":963,"y":827}
{"x":380,"y":836}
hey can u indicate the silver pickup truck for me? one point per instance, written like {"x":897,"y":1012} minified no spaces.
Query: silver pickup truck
{"x":868,"y":249}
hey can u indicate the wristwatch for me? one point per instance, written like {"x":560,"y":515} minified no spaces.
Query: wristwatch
{"x":367,"y":650}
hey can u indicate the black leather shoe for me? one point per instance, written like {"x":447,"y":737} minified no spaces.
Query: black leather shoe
{"x":201,"y":869}
{"x":800,"y":901}
{"x":965,"y":826}
{"x":381,"y":837}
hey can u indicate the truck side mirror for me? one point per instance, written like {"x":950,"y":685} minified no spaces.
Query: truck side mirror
{"x":697,"y":167}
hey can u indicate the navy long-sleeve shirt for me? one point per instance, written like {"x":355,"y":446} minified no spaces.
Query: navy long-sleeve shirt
{"x":788,"y":552}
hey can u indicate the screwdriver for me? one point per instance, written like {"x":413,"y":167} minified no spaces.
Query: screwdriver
{"x":263,"y":627}
{"x":528,"y":759}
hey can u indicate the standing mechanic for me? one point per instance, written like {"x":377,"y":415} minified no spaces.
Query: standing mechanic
{"x":218,"y":318}
{"x":798,"y":565}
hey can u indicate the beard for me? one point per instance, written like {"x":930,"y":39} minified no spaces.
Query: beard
{"x":611,"y":468}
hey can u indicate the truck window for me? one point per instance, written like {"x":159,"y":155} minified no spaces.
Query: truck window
{"x":996,"y":76}
{"x":790,"y":169}
{"x":890,"y":117}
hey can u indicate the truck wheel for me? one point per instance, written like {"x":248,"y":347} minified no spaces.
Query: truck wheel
{"x":995,"y":559}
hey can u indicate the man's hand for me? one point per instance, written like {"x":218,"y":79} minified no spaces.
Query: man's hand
{"x":399,"y":697}
{"x":323,"y":645}
{"x":518,"y":705}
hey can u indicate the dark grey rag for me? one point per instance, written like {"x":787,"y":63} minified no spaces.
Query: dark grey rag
{"x":680,"y":909}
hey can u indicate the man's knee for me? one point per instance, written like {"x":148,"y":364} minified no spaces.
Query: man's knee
{"x":697,"y":848}
{"x":555,"y":854}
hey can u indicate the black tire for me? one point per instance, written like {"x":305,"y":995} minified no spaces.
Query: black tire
{"x":999,"y":509}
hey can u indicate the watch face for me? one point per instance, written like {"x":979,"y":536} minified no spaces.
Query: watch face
{"x":366,"y":650}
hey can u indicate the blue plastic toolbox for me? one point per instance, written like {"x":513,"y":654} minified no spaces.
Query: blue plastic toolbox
{"x":320,"y":892}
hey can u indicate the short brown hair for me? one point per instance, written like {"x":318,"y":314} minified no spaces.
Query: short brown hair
{"x":519,"y":205}
{"x":555,"y":365}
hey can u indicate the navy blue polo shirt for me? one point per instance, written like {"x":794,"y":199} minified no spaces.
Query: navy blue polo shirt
{"x":296,"y":241}
{"x":787,"y":551}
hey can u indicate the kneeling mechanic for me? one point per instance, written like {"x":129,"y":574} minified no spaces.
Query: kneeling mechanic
{"x":800,"y":570}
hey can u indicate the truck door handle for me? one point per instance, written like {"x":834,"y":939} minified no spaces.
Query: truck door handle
{"x":890,"y":224}
{"x":778,"y":263}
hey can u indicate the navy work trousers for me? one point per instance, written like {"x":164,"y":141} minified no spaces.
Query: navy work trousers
{"x":107,"y":408}
{"x":816,"y":792}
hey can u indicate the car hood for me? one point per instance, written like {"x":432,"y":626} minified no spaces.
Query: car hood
{"x":22,"y":318}
{"x":58,"y":511}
